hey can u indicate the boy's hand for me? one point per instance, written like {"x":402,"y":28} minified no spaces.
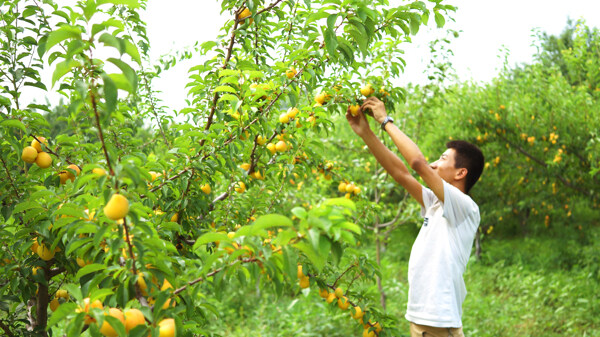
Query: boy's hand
{"x":376,"y":107}
{"x":358,"y":123}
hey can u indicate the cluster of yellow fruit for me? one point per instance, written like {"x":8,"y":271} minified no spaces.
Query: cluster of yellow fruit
{"x":34,"y":154}
{"x":280,"y":146}
{"x":322,"y":98}
{"x":254,"y":174}
{"x":291,"y":73}
{"x":43,"y":251}
{"x":130,"y":319}
{"x":348,"y":188}
{"x":61,"y":295}
{"x":370,"y":329}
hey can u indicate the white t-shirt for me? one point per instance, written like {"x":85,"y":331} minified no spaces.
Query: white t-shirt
{"x":439,"y":257}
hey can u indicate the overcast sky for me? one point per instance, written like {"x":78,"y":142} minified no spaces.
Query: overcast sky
{"x":487,"y":27}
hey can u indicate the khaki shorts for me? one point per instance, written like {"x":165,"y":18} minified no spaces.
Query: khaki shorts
{"x":417,"y":330}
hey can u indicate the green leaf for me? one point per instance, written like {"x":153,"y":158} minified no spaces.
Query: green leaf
{"x":128,"y":3}
{"x":112,"y":41}
{"x":116,"y":325}
{"x":62,"y":69}
{"x":14,"y":123}
{"x":272,"y":220}
{"x":229,"y":97}
{"x":210,"y":237}
{"x":90,"y":268}
{"x":132,"y":51}
{"x":61,"y":313}
{"x":330,"y":37}
{"x":224,"y":88}
{"x":128,"y":72}
{"x":347,"y":203}
{"x":61,"y":34}
{"x":415,"y":23}
{"x":26,"y":206}
{"x":351,"y":227}
{"x":300,"y":212}
{"x":439,"y":20}
{"x":311,"y":254}
{"x":121,"y":82}
{"x":110,"y":94}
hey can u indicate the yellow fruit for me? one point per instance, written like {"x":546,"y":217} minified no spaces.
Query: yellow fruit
{"x":175,"y":217}
{"x":367,"y":90}
{"x":342,"y":187}
{"x":166,"y":285}
{"x":271,"y":148}
{"x":356,"y":190}
{"x":29,"y":154}
{"x":339,"y":293}
{"x":343,"y":303}
{"x":166,"y":328}
{"x":290,"y":73}
{"x":34,"y":246}
{"x":245,"y":166}
{"x":62,"y":293}
{"x":206,"y":188}
{"x":256,"y":175}
{"x":300,"y":273}
{"x":367,"y":333}
{"x":133,"y":318}
{"x":284,"y":118}
{"x":86,"y":308}
{"x":117,"y":207}
{"x":154,"y":175}
{"x":281,"y":146}
{"x":312,"y":120}
{"x":350,"y":188}
{"x":354,"y":109}
{"x":292,"y":112}
{"x":305,"y":282}
{"x":37,"y":146}
{"x":260,"y":140}
{"x":43,"y":160}
{"x":240,"y":187}
{"x":45,"y":253}
{"x":106,"y":329}
{"x":34,"y":270}
{"x":54,"y":304}
{"x":244,"y":14}
{"x":330,"y":298}
{"x":141,"y":282}
{"x":321,"y":98}
{"x":323,"y":293}
{"x":358,"y":313}
{"x":80,"y":262}
{"x":99,"y":171}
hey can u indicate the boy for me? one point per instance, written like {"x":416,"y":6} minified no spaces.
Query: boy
{"x":440,"y":253}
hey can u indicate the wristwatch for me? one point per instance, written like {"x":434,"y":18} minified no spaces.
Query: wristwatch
{"x":387,"y":119}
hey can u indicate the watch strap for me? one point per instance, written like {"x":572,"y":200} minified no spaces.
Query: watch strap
{"x":387,"y":119}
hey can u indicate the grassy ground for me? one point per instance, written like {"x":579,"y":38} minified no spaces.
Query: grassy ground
{"x":520,"y":287}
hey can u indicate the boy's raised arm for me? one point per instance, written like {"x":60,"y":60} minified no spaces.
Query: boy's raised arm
{"x":390,"y":161}
{"x":408,"y":149}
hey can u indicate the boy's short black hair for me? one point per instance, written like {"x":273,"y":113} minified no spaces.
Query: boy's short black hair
{"x":468,"y":156}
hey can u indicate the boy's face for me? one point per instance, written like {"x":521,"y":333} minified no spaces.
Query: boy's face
{"x":444,"y":166}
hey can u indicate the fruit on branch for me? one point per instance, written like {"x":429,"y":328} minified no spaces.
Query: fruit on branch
{"x":304,"y":282}
{"x":291,"y":72}
{"x":54,"y":304}
{"x":358,"y":313}
{"x":244,"y":14}
{"x":43,"y":160}
{"x":260,"y":140}
{"x":106,"y":329}
{"x":166,"y":327}
{"x":240,"y":187}
{"x":281,"y":146}
{"x":323,"y":293}
{"x":45,"y":253}
{"x":29,"y":154}
{"x":117,"y":207}
{"x":37,"y":145}
{"x":271,"y":148}
{"x":284,"y":118}
{"x":354,"y":109}
{"x":339,"y":293}
{"x":343,"y":303}
{"x":133,"y":318}
{"x":86,"y":308}
{"x":67,"y":175}
{"x":367,"y":90}
{"x":99,"y":171}
{"x":206,"y":189}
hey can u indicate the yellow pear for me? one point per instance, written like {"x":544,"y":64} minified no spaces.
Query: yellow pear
{"x":304,"y":282}
{"x":354,"y":109}
{"x":206,"y":188}
{"x":367,"y":90}
{"x":281,"y":146}
{"x":290,"y":73}
{"x":117,"y":207}
{"x":339,"y":293}
{"x":133,"y":318}
{"x":166,"y":328}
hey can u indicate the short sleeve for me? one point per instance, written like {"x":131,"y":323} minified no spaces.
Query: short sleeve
{"x":457,"y":205}
{"x":429,"y":198}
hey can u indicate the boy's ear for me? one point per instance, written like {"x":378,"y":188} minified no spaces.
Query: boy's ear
{"x":461,"y":173}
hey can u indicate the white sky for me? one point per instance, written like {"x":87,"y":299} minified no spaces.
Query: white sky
{"x":487,"y":27}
